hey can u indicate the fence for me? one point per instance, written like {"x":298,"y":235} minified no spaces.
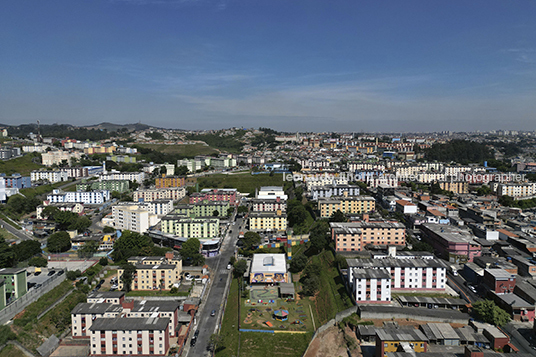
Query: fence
{"x":33,"y":295}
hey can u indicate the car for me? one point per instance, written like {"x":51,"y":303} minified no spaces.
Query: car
{"x":196,"y":333}
{"x":213,"y":313}
{"x":193,"y":341}
{"x":101,"y":282}
{"x":60,"y":272}
{"x":228,"y":266}
{"x":198,"y":276}
{"x":50,"y":273}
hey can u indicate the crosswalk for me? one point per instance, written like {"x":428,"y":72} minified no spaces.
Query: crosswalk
{"x":224,"y":271}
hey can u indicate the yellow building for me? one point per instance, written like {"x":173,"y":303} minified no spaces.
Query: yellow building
{"x":153,"y":273}
{"x":347,"y":205}
{"x":400,"y":339}
{"x":100,"y":150}
{"x":456,"y":187}
{"x":169,"y":181}
{"x":268,"y":221}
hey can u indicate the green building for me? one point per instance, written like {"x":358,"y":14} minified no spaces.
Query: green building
{"x":15,"y":282}
{"x":204,"y":209}
{"x":187,"y":227}
{"x":111,"y":185}
{"x":2,"y":294}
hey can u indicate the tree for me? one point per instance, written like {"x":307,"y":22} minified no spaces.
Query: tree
{"x":311,"y":284}
{"x":103,"y":261}
{"x":506,"y":201}
{"x":80,"y":224}
{"x":240,"y":268}
{"x":108,"y":229}
{"x":191,"y":252}
{"x":338,"y":216}
{"x":489,"y":312}
{"x":215,"y":213}
{"x":483,"y":190}
{"x":296,"y":213}
{"x":318,"y":236}
{"x":38,"y":261}
{"x":7,"y":255}
{"x":59,"y":242}
{"x":88,"y":250}
{"x":130,"y":244}
{"x":49,"y":212}
{"x":242,"y":210}
{"x":128,"y":275}
{"x":73,"y":274}
{"x":297,"y":263}
{"x":214,"y":341}
{"x":251,"y":240}
{"x":181,"y":171}
{"x":65,"y":219}
{"x":26,"y":249}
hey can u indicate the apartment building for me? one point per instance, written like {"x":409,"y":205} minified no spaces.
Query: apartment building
{"x":204,"y":209}
{"x":457,"y":187}
{"x":142,"y":336}
{"x":50,"y":176}
{"x":270,"y":193}
{"x":268,"y":221}
{"x":347,"y":205}
{"x":406,"y":274}
{"x":100,"y":150}
{"x":499,"y":281}
{"x":318,"y":192}
{"x":371,"y":285}
{"x":173,"y":193}
{"x":58,"y":157}
{"x":130,"y":176}
{"x":17,"y":181}
{"x":451,"y":243}
{"x":109,"y":185}
{"x":14,"y":282}
{"x":354,"y":236}
{"x":170,"y":181}
{"x":88,"y":198}
{"x":215,"y":195}
{"x":260,"y":205}
{"x":187,"y":227}
{"x":74,"y":207}
{"x":516,"y":190}
{"x":192,"y":165}
{"x":85,"y":313}
{"x":153,"y":272}
{"x":324,"y":180}
{"x":133,"y":217}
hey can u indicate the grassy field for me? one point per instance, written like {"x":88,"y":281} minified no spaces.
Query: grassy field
{"x":229,"y":326}
{"x":187,"y":150}
{"x":332,"y":297}
{"x":11,"y":351}
{"x":8,"y":236}
{"x":255,"y":344}
{"x":244,"y":182}
{"x":40,"y":190}
{"x":22,"y":165}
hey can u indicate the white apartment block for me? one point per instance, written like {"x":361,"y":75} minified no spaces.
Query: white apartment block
{"x":170,"y":168}
{"x":192,"y":165}
{"x":77,"y":208}
{"x":429,"y":177}
{"x":170,"y":193}
{"x":57,"y":157}
{"x":324,"y":180}
{"x":516,"y":190}
{"x":329,"y":191}
{"x":376,"y":181}
{"x":133,"y":217}
{"x":50,"y":176}
{"x":88,"y":198}
{"x":406,"y":274}
{"x":371,"y":285}
{"x":130,"y":176}
{"x":268,"y":205}
{"x":364,"y":166}
{"x":130,"y":336}
{"x":35,"y":148}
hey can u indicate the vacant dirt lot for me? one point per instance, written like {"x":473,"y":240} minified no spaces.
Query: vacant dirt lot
{"x":331,"y":343}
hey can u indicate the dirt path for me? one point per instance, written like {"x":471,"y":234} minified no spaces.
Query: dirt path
{"x":331,"y":343}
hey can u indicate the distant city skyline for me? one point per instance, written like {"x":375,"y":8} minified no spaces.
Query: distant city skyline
{"x":392,"y":66}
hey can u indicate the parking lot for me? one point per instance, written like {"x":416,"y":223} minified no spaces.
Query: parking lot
{"x":71,"y":265}
{"x":42,"y":277}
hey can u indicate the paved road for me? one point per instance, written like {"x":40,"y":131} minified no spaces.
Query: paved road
{"x":16,"y":232}
{"x":457,"y":283}
{"x":204,"y":322}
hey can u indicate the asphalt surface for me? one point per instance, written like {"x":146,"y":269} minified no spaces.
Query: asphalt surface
{"x":16,"y":232}
{"x":204,"y":322}
{"x":458,"y":284}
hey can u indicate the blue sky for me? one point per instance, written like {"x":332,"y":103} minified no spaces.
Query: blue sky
{"x":287,"y":64}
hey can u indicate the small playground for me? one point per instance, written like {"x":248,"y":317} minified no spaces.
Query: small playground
{"x":266,"y":311}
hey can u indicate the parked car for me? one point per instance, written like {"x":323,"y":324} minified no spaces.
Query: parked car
{"x":60,"y":272}
{"x":228,"y":266}
{"x":213,"y":313}
{"x":52,"y":272}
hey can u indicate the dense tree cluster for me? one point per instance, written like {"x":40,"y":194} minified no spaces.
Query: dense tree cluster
{"x":59,"y":242}
{"x":66,"y":220}
{"x":489,"y":312}
{"x":461,"y":151}
{"x":134,"y":244}
{"x":191,"y":252}
{"x":10,"y":255}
